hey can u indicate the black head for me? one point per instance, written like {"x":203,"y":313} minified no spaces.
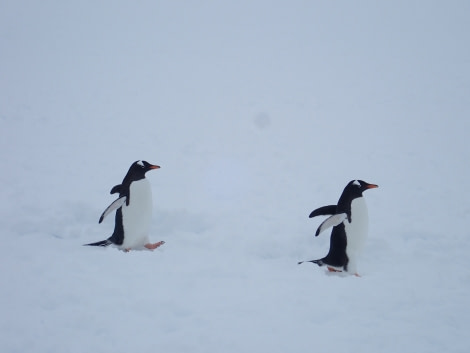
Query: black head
{"x":139,"y":168}
{"x":357,"y":187}
{"x":353,"y":190}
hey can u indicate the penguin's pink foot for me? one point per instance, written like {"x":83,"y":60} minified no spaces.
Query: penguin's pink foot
{"x":127,"y":250}
{"x":331,"y":269}
{"x":357,"y":274}
{"x":154,"y":245}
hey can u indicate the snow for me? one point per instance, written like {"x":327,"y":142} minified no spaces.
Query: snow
{"x":258,"y":112}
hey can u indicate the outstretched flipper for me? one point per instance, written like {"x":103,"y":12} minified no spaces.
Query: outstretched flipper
{"x":116,"y":189}
{"x":331,"y":222}
{"x":323,"y":211}
{"x":114,"y":206}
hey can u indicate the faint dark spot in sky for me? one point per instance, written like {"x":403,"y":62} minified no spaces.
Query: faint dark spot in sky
{"x":262,"y":120}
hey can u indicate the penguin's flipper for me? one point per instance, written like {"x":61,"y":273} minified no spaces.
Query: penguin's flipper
{"x":116,"y":189}
{"x":323,"y":211}
{"x":331,"y":222}
{"x":114,"y":206}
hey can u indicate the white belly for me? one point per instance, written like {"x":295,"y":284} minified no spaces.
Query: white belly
{"x":137,"y":216}
{"x":356,"y":232}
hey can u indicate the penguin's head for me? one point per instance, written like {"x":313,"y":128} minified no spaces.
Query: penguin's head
{"x":138,"y":169}
{"x":353,"y":190}
{"x":143,"y":166}
{"x":360,"y":186}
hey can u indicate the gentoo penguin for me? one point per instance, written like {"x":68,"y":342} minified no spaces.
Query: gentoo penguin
{"x":134,"y":211}
{"x":349,"y":220}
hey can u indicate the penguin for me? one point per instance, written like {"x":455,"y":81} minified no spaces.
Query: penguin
{"x":349,"y":219}
{"x":133,"y":211}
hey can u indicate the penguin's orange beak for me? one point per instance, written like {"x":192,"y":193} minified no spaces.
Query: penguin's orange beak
{"x":372,"y":186}
{"x":154,"y":167}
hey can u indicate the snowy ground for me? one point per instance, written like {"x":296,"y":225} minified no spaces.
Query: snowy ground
{"x":257,"y":113}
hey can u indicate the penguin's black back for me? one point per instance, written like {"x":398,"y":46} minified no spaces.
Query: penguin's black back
{"x":337,"y":254}
{"x":118,"y":234}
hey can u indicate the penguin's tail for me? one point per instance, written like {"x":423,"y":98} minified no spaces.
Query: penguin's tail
{"x":100,"y":243}
{"x":318,"y":262}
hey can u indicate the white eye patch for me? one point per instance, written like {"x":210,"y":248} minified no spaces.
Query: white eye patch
{"x":356,"y":183}
{"x":140,"y":163}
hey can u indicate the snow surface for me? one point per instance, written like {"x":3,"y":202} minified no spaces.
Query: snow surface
{"x":258,"y":113}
